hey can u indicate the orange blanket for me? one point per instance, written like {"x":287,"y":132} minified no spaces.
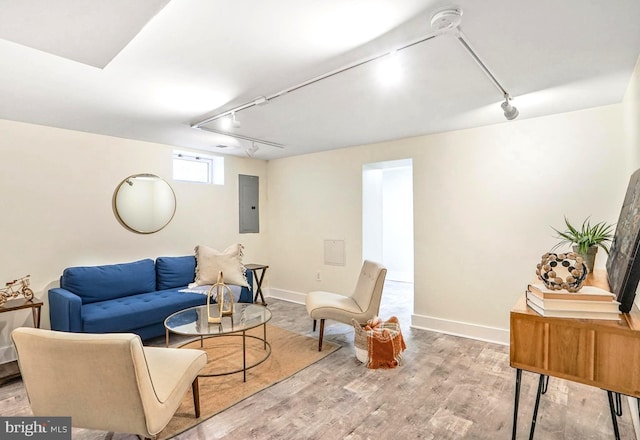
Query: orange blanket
{"x":384,"y":343}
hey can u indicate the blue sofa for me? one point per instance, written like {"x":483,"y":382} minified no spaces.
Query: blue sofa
{"x":131,"y":297}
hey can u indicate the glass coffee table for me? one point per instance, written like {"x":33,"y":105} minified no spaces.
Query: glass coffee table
{"x":194,"y":322}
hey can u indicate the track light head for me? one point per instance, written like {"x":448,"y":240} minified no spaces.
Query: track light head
{"x":260,"y":100}
{"x":230,"y":121}
{"x":252,"y":150}
{"x":510,"y":112}
{"x":234,"y":122}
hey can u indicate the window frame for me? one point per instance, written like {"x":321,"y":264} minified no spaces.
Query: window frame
{"x":215,"y":166}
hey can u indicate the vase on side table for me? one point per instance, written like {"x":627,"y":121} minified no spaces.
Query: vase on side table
{"x":589,"y":257}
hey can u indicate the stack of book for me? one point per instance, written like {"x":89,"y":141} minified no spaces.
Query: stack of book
{"x":589,"y":302}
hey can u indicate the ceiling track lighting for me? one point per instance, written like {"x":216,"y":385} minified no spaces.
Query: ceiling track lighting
{"x":245,"y":138}
{"x":265,"y":99}
{"x":230,"y":121}
{"x":510,"y":112}
{"x":443,"y":21}
{"x":252,"y":150}
{"x":234,"y":122}
{"x":447,"y":20}
{"x":261,"y":100}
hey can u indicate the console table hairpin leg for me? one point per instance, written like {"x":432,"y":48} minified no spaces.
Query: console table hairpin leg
{"x":259,"y":277}
{"x":543,"y":385}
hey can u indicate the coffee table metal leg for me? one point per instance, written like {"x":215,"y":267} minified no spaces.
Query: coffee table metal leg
{"x":264,"y":326}
{"x":244,"y":356}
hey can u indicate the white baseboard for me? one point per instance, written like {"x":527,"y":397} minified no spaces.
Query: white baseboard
{"x":455,"y":328}
{"x":463,"y":329}
{"x":286,"y":295}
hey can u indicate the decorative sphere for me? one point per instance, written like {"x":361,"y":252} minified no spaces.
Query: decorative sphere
{"x":562,"y":271}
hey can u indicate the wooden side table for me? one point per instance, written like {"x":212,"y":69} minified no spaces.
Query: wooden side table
{"x":594,"y":352}
{"x":20,"y":303}
{"x":258,"y":271}
{"x":10,"y":370}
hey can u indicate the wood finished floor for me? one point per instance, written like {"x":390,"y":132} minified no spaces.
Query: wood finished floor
{"x":447,"y":388}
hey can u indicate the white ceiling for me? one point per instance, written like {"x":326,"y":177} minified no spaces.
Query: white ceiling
{"x":100,"y":69}
{"x":89,"y":32}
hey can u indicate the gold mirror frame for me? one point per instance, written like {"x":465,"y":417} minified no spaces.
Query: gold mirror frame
{"x":144,"y":203}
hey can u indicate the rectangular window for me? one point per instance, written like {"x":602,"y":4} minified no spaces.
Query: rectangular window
{"x":201,"y":168}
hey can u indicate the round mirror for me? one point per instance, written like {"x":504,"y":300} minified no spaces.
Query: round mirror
{"x":144,"y":203}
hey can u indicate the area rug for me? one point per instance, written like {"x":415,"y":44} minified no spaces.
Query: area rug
{"x":290,"y":353}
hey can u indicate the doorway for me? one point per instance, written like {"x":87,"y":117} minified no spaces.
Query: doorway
{"x":387,"y":229}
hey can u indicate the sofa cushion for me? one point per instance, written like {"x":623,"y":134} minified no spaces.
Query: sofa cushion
{"x":101,"y":283}
{"x":175,"y":271}
{"x":131,"y":312}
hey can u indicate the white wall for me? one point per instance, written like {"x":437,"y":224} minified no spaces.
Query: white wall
{"x":56,"y":190}
{"x":631,"y":105}
{"x":484,"y":203}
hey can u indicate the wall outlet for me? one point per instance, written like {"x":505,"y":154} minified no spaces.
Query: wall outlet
{"x":318,"y":278}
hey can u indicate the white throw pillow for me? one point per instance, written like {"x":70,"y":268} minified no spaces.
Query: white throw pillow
{"x":210,"y":262}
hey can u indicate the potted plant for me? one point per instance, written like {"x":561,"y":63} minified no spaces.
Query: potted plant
{"x":587,"y":239}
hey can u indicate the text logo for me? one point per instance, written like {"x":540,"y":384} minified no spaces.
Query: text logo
{"x":37,"y":428}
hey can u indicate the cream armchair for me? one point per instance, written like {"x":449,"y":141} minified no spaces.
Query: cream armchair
{"x":362,"y":305}
{"x":107,"y":382}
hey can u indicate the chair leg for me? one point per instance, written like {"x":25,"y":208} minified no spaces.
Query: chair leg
{"x":196,"y":396}
{"x":314,"y":325}
{"x":321,"y":334}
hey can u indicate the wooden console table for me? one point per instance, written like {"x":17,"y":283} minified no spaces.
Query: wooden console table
{"x":20,"y":303}
{"x":10,"y":370}
{"x":600,"y":353}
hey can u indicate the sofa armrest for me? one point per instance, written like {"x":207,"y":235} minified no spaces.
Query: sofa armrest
{"x":65,"y":310}
{"x":246,"y":294}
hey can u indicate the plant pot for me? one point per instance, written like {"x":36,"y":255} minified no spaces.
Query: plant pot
{"x":589,"y":257}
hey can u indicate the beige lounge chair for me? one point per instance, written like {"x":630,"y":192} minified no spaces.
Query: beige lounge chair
{"x":362,"y":305}
{"x":107,"y":382}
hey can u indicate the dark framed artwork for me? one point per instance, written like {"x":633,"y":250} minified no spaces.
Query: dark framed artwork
{"x":623,"y":265}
